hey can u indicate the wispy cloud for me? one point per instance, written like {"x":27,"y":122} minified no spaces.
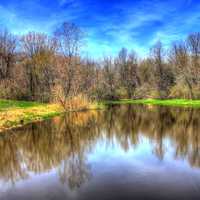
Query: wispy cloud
{"x":110,"y":25}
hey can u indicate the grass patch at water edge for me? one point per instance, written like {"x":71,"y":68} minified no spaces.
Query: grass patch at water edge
{"x":17,"y":113}
{"x":167,"y":102}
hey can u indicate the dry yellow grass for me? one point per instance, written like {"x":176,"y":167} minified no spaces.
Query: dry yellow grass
{"x":18,"y":113}
{"x":17,"y":116}
{"x":79,"y":102}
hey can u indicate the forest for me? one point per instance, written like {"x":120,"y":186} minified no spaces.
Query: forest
{"x":51,"y":68}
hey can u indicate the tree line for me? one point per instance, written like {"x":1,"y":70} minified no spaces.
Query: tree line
{"x":41,"y":67}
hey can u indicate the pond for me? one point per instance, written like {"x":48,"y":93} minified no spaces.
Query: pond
{"x":124,"y":152}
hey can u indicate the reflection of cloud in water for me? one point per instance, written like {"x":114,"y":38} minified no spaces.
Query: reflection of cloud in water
{"x":75,"y":145}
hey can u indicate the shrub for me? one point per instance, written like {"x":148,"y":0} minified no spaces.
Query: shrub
{"x":180,"y":90}
{"x":10,"y":89}
{"x":146,"y":91}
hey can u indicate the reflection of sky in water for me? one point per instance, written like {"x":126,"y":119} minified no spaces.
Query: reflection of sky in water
{"x":114,"y":162}
{"x":140,"y":156}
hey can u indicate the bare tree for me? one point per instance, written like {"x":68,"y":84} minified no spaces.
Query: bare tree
{"x":88,"y":76}
{"x":128,"y":71}
{"x":7,"y":54}
{"x":180,"y":59}
{"x":109,"y":79}
{"x":193,"y":42}
{"x":158,"y":56}
{"x":39,"y":51}
{"x":69,"y":37}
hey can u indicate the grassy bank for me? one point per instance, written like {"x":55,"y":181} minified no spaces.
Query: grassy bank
{"x":17,"y":113}
{"x":169,"y":102}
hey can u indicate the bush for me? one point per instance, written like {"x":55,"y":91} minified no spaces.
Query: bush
{"x":101,"y":93}
{"x":146,"y":91}
{"x":70,"y":103}
{"x":180,"y":90}
{"x":10,"y":89}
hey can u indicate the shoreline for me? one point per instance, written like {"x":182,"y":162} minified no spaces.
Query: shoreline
{"x":156,"y":102}
{"x":15,"y":114}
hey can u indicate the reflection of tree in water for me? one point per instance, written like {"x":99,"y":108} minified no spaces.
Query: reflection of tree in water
{"x":10,"y":162}
{"x":41,"y":147}
{"x":74,"y":171}
{"x":65,"y":142}
{"x":180,"y":125}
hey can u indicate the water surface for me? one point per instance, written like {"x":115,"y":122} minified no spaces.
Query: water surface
{"x":126,"y":152}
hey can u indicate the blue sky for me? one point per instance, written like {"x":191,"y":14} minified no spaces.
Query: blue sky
{"x":109,"y":24}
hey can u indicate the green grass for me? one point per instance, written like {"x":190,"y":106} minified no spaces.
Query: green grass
{"x":8,"y":104}
{"x":168,"y":102}
{"x":17,"y":113}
